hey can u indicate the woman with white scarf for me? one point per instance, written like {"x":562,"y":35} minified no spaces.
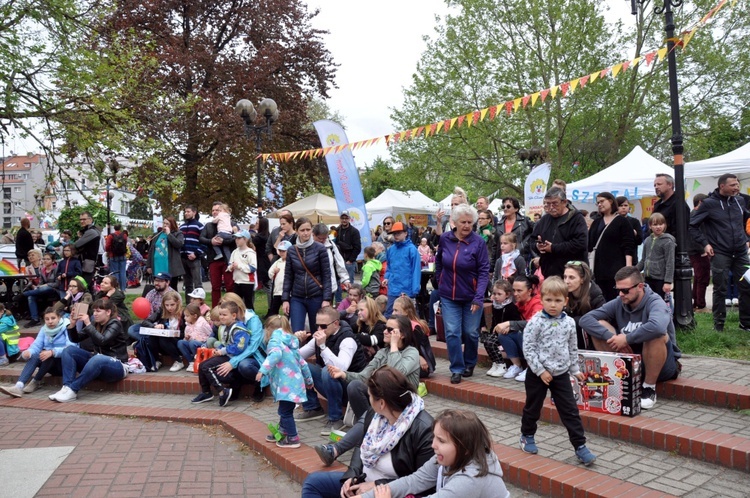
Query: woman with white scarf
{"x":397,"y":442}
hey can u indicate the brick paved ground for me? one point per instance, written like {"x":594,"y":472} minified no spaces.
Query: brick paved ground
{"x":122,"y":457}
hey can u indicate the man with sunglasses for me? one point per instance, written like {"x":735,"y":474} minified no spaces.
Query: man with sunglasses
{"x":333,"y":343}
{"x":637,"y":321}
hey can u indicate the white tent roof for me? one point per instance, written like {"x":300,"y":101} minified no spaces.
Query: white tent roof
{"x":737,"y":162}
{"x":394,"y":201}
{"x":318,"y":207}
{"x":632,"y":176}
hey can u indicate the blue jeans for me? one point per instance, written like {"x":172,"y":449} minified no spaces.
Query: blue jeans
{"x":39,"y":292}
{"x":286,"y":418}
{"x":512,"y":343}
{"x":135,"y":332}
{"x":44,"y":366}
{"x":434,"y":297}
{"x":322,"y":485}
{"x":299,"y":307}
{"x":332,"y":389}
{"x":461,"y":326}
{"x":248,"y":369}
{"x":91,"y":367}
{"x":188,"y":348}
{"x":117,"y":267}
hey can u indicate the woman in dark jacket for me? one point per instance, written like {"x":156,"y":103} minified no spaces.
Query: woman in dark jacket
{"x":612,"y":238}
{"x":583,"y":296}
{"x":307,"y":278}
{"x":109,"y":360}
{"x":110,"y":289}
{"x":513,"y":221}
{"x":164,"y":253}
{"x":462,"y":269}
{"x":397,"y":425}
{"x":77,"y":293}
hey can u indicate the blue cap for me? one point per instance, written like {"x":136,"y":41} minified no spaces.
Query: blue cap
{"x":284,"y":245}
{"x":162,"y":275}
{"x":241,"y":234}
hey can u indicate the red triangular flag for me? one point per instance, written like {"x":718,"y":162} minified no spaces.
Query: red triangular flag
{"x":493,"y":112}
{"x":475,"y":117}
{"x":650,"y":57}
{"x":564,"y":88}
{"x":584,"y":80}
{"x":544,"y":94}
{"x":461,"y":120}
{"x":508,"y":107}
{"x":526,"y":100}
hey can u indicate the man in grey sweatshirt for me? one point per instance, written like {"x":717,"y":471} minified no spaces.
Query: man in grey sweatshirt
{"x":639,"y":322}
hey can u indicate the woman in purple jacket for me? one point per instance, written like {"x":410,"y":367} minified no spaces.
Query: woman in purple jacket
{"x":462,"y":269}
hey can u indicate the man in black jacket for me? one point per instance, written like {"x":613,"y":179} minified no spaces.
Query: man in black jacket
{"x":24,"y":242}
{"x":722,"y":216}
{"x":87,"y":246}
{"x":667,"y":203}
{"x":560,"y":235}
{"x":349,"y":242}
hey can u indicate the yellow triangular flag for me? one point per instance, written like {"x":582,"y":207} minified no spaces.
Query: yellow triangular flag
{"x":469,"y":118}
{"x":593,"y":77}
{"x":516,"y":104}
{"x":636,"y":61}
{"x":439,"y":126}
{"x":534,"y":98}
{"x":662,"y":52}
{"x":553,"y":90}
{"x":686,"y":39}
{"x":453,"y":123}
{"x":574,"y":84}
{"x":616,"y":69}
{"x":483,"y":113}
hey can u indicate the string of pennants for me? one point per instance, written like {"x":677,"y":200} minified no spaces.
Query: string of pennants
{"x":509,"y":107}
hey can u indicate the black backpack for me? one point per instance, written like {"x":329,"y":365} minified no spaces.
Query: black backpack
{"x":119,"y":246}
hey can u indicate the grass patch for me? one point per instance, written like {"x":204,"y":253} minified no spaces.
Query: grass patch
{"x":705,"y":341}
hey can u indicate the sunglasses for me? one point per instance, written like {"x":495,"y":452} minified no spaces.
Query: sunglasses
{"x":627,"y":289}
{"x":387,"y":223}
{"x":323,"y":325}
{"x":390,"y":329}
{"x":508,"y":206}
{"x":574,"y":263}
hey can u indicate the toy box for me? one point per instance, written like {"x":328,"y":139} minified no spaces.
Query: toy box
{"x":159,"y":332}
{"x":612,"y":385}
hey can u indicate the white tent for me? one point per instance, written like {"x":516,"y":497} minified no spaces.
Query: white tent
{"x":632,"y":176}
{"x":400,"y":205}
{"x":317,"y":207}
{"x":737,"y":162}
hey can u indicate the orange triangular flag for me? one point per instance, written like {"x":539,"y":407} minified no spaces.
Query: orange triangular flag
{"x":475,"y":117}
{"x":460,"y":120}
{"x":544,"y":94}
{"x":604,"y":72}
{"x":650,"y":57}
{"x":526,"y":100}
{"x":564,"y":88}
{"x":416,"y":131}
{"x":493,"y":112}
{"x":432,"y":130}
{"x":625,"y":66}
{"x":508,"y":107}
{"x":584,"y":80}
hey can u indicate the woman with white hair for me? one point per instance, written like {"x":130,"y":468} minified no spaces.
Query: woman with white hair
{"x":459,"y":198}
{"x":462,"y":269}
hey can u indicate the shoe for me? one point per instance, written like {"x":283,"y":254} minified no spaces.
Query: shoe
{"x":176,"y":366}
{"x":288,"y":442}
{"x":11,"y":391}
{"x":325,"y":452}
{"x":203,"y":398}
{"x":33,"y":323}
{"x":65,"y":395}
{"x":32,"y":386}
{"x":157,"y":366}
{"x":306,"y":415}
{"x":4,"y":360}
{"x":719,"y":327}
{"x":190,"y":367}
{"x":585,"y":456}
{"x":497,"y":370}
{"x":258,"y":395}
{"x":648,"y":398}
{"x":455,"y":378}
{"x":332,"y":425}
{"x":512,"y":372}
{"x":468,"y":372}
{"x":270,"y":438}
{"x":727,"y":302}
{"x":528,"y":445}
{"x":522,"y":376}
{"x":226,"y":393}
{"x":735,"y":302}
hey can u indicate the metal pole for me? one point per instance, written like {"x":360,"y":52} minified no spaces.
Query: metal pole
{"x":108,"y":208}
{"x":259,"y":199}
{"x":683,"y":312}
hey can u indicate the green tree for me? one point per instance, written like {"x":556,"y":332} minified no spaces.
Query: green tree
{"x":378,"y":177}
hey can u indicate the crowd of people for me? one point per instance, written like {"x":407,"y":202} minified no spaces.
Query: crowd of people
{"x":565,"y":282}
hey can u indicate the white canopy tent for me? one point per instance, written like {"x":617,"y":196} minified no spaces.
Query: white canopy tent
{"x":317,"y":207}
{"x":400,"y":205}
{"x":737,"y":162}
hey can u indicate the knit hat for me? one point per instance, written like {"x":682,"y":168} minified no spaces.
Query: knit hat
{"x":81,"y":283}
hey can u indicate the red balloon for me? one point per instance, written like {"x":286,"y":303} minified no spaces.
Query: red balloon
{"x":141,"y":307}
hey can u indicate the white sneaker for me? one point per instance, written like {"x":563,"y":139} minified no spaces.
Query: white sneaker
{"x":512,"y":372}
{"x":190,"y":367}
{"x":727,"y":302}
{"x":491,"y":371}
{"x":522,"y":376}
{"x":735,"y":302}
{"x":497,"y":370}
{"x":176,"y":366}
{"x":157,"y":365}
{"x":65,"y":394}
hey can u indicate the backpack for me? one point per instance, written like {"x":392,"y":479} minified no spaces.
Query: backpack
{"x":119,"y":246}
{"x":144,"y":354}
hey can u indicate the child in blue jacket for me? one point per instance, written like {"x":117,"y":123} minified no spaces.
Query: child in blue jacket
{"x":288,"y":375}
{"x":44,"y":354}
{"x":9,"y":332}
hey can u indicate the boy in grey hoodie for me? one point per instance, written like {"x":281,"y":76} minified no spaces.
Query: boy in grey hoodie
{"x":639,"y":322}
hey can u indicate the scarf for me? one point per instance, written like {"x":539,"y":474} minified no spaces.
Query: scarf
{"x":499,"y":306}
{"x":305,"y":245}
{"x":52,"y":332}
{"x":508,"y":268}
{"x":76,"y":298}
{"x":382,"y":437}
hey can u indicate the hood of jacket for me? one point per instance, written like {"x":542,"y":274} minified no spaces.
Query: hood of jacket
{"x":376,"y":264}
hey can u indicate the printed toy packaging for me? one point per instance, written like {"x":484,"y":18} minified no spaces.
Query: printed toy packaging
{"x":612,"y":385}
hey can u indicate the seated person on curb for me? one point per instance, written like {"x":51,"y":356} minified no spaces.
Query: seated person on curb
{"x":333,"y":344}
{"x":169,"y":318}
{"x":398,"y":440}
{"x":401,"y":354}
{"x":43,"y":354}
{"x":637,"y":322}
{"x":77,"y":293}
{"x":217,"y":370}
{"x":154,"y":296}
{"x":107,"y":362}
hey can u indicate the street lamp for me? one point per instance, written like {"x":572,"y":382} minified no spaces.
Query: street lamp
{"x":109,"y":169}
{"x":683,"y":311}
{"x":532,"y":156}
{"x":269,"y":111}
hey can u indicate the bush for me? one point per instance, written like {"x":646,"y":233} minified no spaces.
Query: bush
{"x":68,"y":219}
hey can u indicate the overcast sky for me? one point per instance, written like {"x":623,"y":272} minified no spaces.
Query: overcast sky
{"x":377,"y":49}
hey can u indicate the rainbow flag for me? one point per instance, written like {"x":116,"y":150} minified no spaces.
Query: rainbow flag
{"x":8,"y":268}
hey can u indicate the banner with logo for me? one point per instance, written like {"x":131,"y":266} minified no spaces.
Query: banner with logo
{"x":345,"y":178}
{"x":535,"y":188}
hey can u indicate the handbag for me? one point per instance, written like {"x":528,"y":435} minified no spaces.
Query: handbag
{"x":201,"y":355}
{"x":302,"y":260}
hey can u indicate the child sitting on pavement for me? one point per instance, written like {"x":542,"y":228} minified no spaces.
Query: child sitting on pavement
{"x":550,"y":346}
{"x":503,"y":310}
{"x":287,"y":374}
{"x":197,"y":332}
{"x":43,"y":354}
